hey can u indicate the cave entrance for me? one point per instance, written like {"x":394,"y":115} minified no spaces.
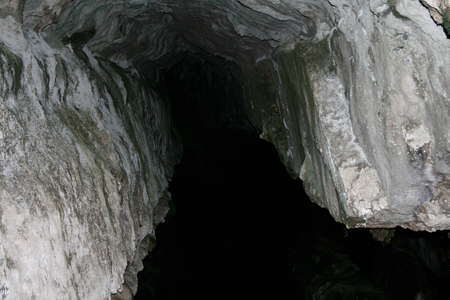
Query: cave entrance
{"x":235,"y":209}
{"x":224,"y":237}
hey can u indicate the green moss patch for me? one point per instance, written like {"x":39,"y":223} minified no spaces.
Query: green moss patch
{"x":446,"y":22}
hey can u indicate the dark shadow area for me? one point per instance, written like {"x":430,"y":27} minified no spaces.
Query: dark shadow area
{"x":235,"y":210}
{"x":226,"y":237}
{"x":328,"y":261}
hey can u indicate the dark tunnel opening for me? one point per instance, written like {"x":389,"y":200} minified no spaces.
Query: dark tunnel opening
{"x":224,"y":238}
{"x":235,"y":209}
{"x":223,"y":234}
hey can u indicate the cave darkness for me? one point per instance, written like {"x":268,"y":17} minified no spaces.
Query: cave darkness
{"x":235,"y":209}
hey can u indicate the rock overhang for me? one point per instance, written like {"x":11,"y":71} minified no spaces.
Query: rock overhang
{"x":346,"y":112}
{"x":353,"y":94}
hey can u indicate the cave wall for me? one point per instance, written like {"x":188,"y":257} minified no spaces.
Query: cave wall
{"x":86,"y":152}
{"x":353,"y":94}
{"x":355,"y":99}
{"x":370,"y":102}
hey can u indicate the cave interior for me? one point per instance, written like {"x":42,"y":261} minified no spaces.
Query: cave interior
{"x":187,"y":145}
{"x":235,"y":208}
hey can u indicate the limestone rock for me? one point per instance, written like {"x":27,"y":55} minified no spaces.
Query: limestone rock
{"x":438,"y":9}
{"x":354,"y":95}
{"x":86,"y":154}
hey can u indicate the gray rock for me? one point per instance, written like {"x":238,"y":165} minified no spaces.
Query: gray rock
{"x":86,"y":153}
{"x":354,"y":95}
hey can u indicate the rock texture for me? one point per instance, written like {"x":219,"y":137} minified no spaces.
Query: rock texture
{"x":86,"y":151}
{"x":354,"y":94}
{"x":439,"y":10}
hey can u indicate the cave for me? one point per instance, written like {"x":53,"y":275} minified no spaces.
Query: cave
{"x":226,"y":196}
{"x":229,"y":194}
{"x":172,"y":149}
{"x":235,"y":208}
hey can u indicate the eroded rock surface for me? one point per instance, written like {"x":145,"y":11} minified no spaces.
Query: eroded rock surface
{"x":354,"y":94}
{"x":86,"y":151}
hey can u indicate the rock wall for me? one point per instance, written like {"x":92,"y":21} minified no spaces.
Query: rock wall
{"x":86,"y":152}
{"x":355,"y":98}
{"x":370,"y":102}
{"x":353,"y":94}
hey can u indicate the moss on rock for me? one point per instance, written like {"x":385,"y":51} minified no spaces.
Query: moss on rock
{"x":446,"y":22}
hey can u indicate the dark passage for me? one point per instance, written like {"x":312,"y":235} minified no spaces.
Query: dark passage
{"x":226,"y":237}
{"x":235,"y":211}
